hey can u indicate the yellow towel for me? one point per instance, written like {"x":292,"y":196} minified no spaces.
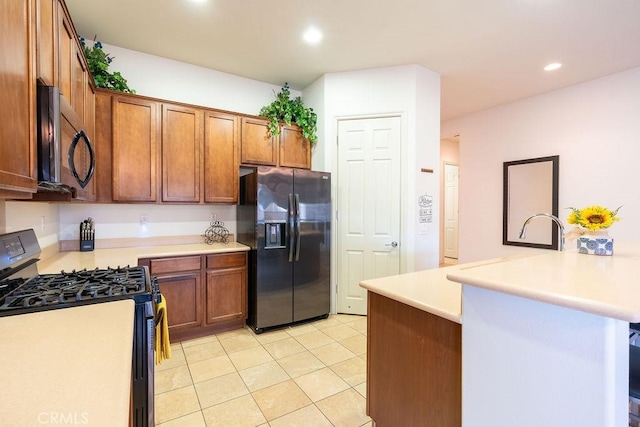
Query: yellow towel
{"x":162,"y":343}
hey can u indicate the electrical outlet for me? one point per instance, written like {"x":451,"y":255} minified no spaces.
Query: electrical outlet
{"x":42,"y":222}
{"x":213,"y":217}
{"x":144,"y":218}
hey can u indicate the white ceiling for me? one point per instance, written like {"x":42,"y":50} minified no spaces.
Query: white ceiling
{"x":488,"y":52}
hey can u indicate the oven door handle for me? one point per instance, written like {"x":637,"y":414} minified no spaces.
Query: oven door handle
{"x":92,"y":158}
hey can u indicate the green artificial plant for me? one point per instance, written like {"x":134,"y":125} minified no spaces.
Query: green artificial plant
{"x":99,"y":62}
{"x":290,"y":110}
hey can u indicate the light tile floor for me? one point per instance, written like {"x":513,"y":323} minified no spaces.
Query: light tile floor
{"x":308,"y":375}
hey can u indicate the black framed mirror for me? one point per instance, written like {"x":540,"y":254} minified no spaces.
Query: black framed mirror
{"x":530,"y":187}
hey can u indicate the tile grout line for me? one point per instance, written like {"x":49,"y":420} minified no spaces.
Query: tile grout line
{"x":261,"y":345}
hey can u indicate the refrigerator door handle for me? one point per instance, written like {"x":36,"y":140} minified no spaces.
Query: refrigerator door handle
{"x":291,"y":225}
{"x":297,"y":227}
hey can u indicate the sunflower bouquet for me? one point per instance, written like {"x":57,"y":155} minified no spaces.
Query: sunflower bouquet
{"x":593,"y":218}
{"x":591,"y":232}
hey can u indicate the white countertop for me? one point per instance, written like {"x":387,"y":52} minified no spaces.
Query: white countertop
{"x":608,"y":286}
{"x":70,"y":363}
{"x":427,"y":290}
{"x":103,"y":258}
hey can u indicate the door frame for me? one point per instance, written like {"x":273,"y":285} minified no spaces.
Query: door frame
{"x":404,"y":195}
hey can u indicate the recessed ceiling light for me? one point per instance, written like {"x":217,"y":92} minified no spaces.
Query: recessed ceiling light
{"x":553,"y":66}
{"x":312,"y":35}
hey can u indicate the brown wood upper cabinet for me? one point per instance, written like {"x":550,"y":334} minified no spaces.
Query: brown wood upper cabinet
{"x":257,"y":147}
{"x":290,"y":149}
{"x":59,"y":57}
{"x":221,"y":159}
{"x":295,"y":151}
{"x":136,"y":140}
{"x":47,"y":41}
{"x":182,"y":136}
{"x":60,"y":62}
{"x":196,"y":148}
{"x":18,"y":177}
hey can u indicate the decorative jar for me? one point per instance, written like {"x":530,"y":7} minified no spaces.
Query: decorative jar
{"x":595,"y":243}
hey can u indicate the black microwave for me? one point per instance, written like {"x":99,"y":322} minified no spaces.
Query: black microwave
{"x":66,"y":156}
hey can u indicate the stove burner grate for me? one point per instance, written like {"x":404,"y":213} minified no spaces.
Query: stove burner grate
{"x":9,"y":285}
{"x":75,"y":286}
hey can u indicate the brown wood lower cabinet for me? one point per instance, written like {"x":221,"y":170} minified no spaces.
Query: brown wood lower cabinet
{"x":414,"y":361}
{"x":205,"y":294}
{"x":226,"y":288}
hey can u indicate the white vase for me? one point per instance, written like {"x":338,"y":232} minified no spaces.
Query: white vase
{"x":595,"y":243}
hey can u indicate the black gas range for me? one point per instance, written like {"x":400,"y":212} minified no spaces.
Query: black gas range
{"x":65,"y":289}
{"x":23,"y":290}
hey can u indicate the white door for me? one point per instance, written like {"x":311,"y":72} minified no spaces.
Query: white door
{"x":451,"y":211}
{"x":368,"y":206}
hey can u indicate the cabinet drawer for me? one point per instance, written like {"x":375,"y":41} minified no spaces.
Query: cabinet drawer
{"x":172,"y":265}
{"x":227,"y":260}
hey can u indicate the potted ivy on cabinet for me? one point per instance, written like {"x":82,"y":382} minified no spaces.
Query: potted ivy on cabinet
{"x":98,"y":61}
{"x":290,"y":111}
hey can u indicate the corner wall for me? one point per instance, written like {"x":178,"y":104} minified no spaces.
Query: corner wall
{"x":413,"y":92}
{"x":594,"y":127}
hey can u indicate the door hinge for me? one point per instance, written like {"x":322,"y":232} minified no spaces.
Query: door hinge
{"x":337,"y":215}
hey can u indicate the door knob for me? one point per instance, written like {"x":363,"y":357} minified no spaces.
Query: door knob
{"x":392,"y":244}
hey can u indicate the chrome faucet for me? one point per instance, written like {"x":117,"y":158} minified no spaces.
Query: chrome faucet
{"x":555,"y":219}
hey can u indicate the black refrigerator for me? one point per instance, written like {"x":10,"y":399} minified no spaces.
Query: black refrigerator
{"x":284,"y":215}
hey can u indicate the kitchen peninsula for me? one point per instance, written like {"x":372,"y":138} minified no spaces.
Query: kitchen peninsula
{"x":544,"y":338}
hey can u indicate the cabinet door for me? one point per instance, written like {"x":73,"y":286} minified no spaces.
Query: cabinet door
{"x":221,"y":160}
{"x":181,"y":146}
{"x":257,"y":147}
{"x":66,"y":41}
{"x":226,"y":295}
{"x":103,"y":144}
{"x":79,"y":77}
{"x":180,"y":283}
{"x":17,"y":110}
{"x":183,"y":294}
{"x":135,"y":149}
{"x":295,"y":151}
{"x":46,"y":41}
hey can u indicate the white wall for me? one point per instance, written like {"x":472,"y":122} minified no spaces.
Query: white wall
{"x":594,"y":127}
{"x":414,"y":93}
{"x":178,"y":81}
{"x":314,"y":97}
{"x":123,"y":221}
{"x":42,"y":217}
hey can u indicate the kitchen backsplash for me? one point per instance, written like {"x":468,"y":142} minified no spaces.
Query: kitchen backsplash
{"x":124,"y":221}
{"x":57,"y":222}
{"x":44,"y":218}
